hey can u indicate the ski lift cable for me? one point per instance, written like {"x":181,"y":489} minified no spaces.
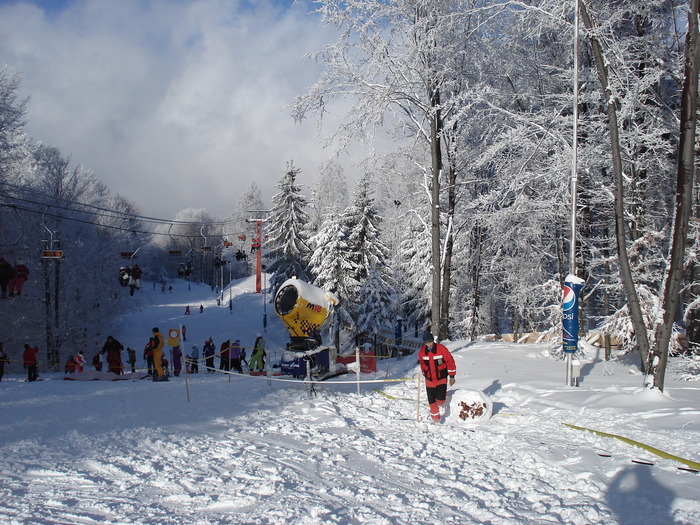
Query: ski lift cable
{"x":93,"y":223}
{"x":114,"y":213}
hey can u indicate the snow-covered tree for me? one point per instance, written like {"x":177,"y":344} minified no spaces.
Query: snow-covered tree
{"x":12,"y":114}
{"x":404,"y":60}
{"x":415,"y":272}
{"x":374,"y":310}
{"x":365,"y":248}
{"x":362,"y":224}
{"x":286,"y":228}
{"x":329,"y":193}
{"x":248,"y":206}
{"x":333,"y":270}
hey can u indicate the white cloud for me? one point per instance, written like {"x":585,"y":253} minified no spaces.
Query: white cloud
{"x":172,"y":104}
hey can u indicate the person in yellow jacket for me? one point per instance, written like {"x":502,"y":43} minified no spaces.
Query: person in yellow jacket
{"x":158,"y":343}
{"x":257,"y":360}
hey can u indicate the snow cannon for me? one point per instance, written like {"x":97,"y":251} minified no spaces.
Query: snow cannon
{"x":305,"y":310}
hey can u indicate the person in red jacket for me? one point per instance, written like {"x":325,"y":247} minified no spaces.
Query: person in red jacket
{"x":436,"y":364}
{"x":29,"y":358}
{"x":20,"y":275}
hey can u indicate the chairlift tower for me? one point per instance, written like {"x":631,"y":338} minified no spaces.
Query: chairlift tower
{"x":258,"y":217}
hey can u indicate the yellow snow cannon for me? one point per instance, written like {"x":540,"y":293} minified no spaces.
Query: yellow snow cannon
{"x":305,"y":310}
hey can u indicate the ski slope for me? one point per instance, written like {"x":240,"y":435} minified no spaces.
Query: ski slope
{"x":228,"y":449}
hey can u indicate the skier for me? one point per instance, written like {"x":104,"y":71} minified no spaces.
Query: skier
{"x":30,"y":363}
{"x":113,"y":349}
{"x":132,"y":358}
{"x":97,"y":362}
{"x":209,"y":351}
{"x":70,"y":365}
{"x":148,"y":356}
{"x":18,"y":279}
{"x":187,"y":310}
{"x":225,"y":355}
{"x":201,"y":308}
{"x":79,"y":360}
{"x":236,"y":356}
{"x":158,"y":343}
{"x":257,"y":360}
{"x":133,"y":281}
{"x":177,"y":360}
{"x":136,"y":273}
{"x":6,"y":273}
{"x":244,"y":361}
{"x":124,"y":276}
{"x":436,"y":364}
{"x":194,"y":360}
{"x":4,"y":360}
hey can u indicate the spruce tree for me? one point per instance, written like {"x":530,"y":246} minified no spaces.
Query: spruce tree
{"x":334,"y":270}
{"x":286,"y":229}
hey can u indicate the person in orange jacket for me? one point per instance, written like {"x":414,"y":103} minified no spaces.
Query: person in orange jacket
{"x":30,"y":363}
{"x":70,"y":365}
{"x":436,"y":364}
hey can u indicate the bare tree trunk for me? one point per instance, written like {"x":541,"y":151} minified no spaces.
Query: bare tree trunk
{"x":475,"y":274}
{"x":633,"y":304}
{"x":436,"y":156}
{"x":684,"y":191}
{"x":449,"y":247}
{"x":606,"y":297}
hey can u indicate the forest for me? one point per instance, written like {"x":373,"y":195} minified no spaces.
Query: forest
{"x":460,"y":220}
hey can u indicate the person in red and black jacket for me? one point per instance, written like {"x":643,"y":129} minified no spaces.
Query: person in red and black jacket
{"x":29,"y":358}
{"x":436,"y":364}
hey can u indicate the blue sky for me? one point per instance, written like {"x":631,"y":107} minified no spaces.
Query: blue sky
{"x":173,"y":104}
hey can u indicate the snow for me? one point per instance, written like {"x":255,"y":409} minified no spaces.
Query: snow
{"x":220,"y":449}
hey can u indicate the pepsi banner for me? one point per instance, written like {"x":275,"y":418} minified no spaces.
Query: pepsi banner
{"x":572,"y":287}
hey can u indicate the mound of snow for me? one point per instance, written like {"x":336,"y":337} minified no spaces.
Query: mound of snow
{"x":467,"y":406}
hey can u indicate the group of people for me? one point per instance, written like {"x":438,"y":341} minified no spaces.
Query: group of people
{"x":12,"y":278}
{"x":130,"y":276}
{"x":75,"y":363}
{"x":232,"y":356}
{"x":435,"y":361}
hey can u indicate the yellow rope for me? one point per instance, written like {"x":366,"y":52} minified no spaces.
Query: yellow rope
{"x":656,"y":451}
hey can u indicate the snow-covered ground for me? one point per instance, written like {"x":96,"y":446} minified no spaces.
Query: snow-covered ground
{"x":220,"y":449}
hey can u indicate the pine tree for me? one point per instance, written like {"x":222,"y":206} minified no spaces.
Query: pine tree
{"x":416,"y":271}
{"x":373,"y":312}
{"x":365,"y":248}
{"x":286,"y":229}
{"x":334,"y":270}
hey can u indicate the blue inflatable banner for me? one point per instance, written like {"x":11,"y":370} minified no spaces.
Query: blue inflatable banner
{"x":572,"y":287}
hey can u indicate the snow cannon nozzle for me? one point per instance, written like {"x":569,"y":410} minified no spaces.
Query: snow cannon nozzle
{"x":305,"y":309}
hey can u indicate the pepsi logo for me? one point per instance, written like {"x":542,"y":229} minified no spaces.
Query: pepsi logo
{"x":569,"y":298}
